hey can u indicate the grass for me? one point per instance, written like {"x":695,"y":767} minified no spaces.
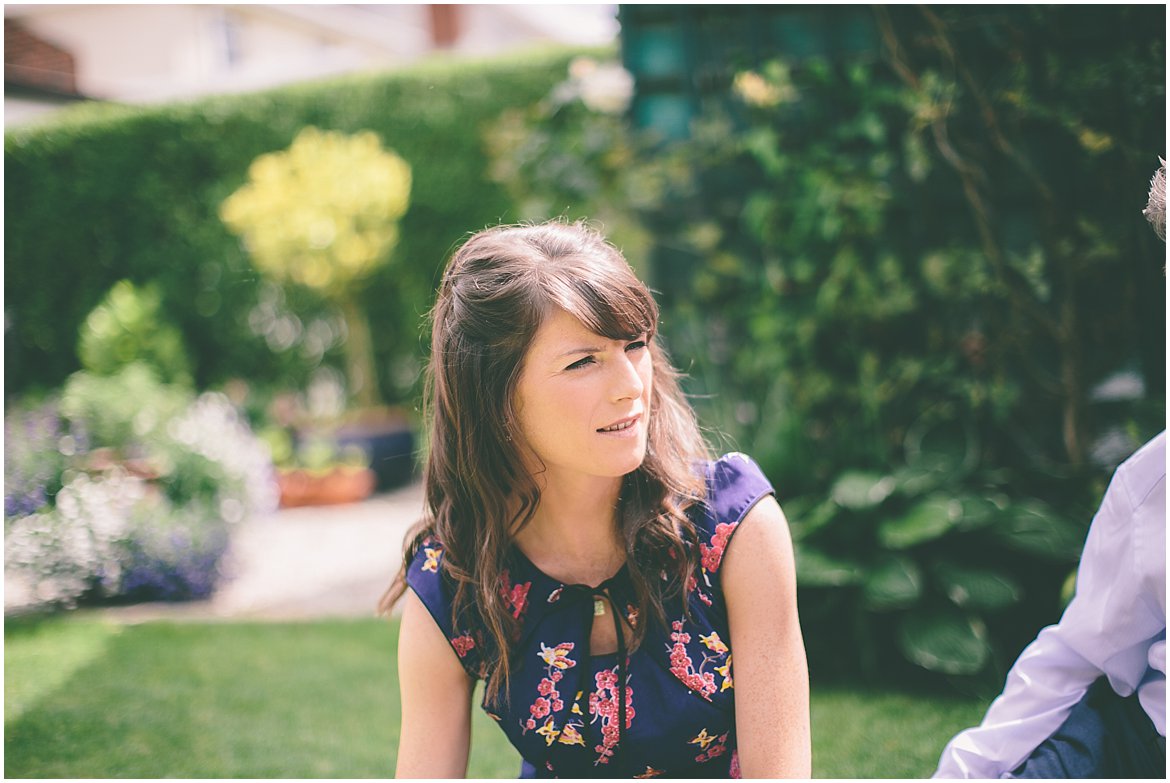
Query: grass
{"x":87,"y":698}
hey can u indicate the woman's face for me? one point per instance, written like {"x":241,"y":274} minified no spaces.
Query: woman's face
{"x":583,"y":401}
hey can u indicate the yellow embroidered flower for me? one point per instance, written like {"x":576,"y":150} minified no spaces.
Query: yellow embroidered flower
{"x":570,"y":736}
{"x":548,"y":731}
{"x":557,"y":657}
{"x":650,"y":773}
{"x":703,"y":740}
{"x":432,"y":563}
{"x":714,"y":643}
{"x":725,"y":670}
{"x":577,"y":703}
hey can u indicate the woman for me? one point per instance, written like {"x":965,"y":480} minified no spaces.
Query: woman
{"x":578,"y":551}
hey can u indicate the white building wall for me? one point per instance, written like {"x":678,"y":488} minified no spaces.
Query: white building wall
{"x":151,"y":53}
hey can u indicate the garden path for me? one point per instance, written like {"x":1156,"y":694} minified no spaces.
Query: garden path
{"x":303,"y":563}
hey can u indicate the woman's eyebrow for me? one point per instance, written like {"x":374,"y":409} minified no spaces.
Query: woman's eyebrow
{"x":579,"y":350}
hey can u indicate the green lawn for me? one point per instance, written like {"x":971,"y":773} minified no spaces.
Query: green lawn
{"x":86,"y":698}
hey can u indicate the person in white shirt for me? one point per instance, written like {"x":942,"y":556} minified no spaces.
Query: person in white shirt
{"x":1087,"y":698}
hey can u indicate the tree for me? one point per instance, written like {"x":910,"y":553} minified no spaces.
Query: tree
{"x":324,"y":214}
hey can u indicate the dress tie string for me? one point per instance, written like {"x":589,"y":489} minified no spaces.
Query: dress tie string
{"x":596,"y":593}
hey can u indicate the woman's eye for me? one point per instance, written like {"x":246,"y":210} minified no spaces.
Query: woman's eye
{"x":580,"y":363}
{"x":637,"y":344}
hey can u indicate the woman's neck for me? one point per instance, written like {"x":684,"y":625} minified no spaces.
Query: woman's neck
{"x":574,"y":535}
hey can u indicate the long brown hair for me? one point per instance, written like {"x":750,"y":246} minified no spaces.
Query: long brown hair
{"x":496,"y":292}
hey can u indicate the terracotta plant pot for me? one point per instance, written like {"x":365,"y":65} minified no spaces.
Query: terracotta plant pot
{"x":341,"y":484}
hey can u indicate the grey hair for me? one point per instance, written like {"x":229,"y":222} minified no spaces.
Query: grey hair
{"x":1155,"y":210}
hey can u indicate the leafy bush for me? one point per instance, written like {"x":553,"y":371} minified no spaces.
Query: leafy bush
{"x":128,"y":326}
{"x":111,"y":193}
{"x":127,"y":488}
{"x":324,"y":214}
{"x":904,"y":284}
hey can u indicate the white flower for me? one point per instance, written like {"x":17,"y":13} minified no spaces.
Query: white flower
{"x":606,"y":88}
{"x":212,"y":428}
{"x":66,"y":551}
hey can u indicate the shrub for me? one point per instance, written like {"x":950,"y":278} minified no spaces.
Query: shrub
{"x":111,"y":193}
{"x":904,"y":285}
{"x":126,"y":489}
{"x":324,"y":215}
{"x":128,"y":326}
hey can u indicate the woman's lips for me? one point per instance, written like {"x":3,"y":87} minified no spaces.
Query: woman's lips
{"x":621,"y":425}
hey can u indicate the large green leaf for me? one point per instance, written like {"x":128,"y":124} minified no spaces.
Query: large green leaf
{"x":858,"y":490}
{"x":814,"y":568}
{"x":939,"y":441}
{"x":944,"y":641}
{"x":1033,"y":527}
{"x":977,"y":588}
{"x":978,"y":511}
{"x":915,"y":480}
{"x":923,"y":522}
{"x":894,"y":584}
{"x":804,"y":523}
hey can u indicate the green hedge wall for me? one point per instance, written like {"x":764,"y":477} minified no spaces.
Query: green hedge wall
{"x":107,"y":193}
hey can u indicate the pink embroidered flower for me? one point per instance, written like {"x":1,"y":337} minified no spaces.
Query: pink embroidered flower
{"x":735,"y":773}
{"x":603,"y":705}
{"x":682,"y":667}
{"x":556,"y":659}
{"x":515,"y":596}
{"x":712,"y":555}
{"x":463,"y":644}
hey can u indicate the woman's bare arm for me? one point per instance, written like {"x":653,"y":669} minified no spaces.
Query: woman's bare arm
{"x":769,"y":668}
{"x":436,"y":699}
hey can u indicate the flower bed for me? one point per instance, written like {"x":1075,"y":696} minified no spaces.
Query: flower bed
{"x":124,"y":489}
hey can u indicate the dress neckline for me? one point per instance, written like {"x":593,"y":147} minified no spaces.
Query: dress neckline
{"x":531,"y":567}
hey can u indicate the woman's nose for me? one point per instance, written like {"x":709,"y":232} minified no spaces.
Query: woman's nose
{"x":628,"y":384}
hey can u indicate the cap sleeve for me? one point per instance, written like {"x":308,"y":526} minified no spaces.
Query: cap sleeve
{"x":735,"y":483}
{"x":426,"y":577}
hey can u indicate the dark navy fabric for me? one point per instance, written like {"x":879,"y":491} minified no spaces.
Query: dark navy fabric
{"x":1104,"y":736}
{"x":563,"y":709}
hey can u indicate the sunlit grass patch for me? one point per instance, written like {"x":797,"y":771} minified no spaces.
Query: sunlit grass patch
{"x":87,"y":698}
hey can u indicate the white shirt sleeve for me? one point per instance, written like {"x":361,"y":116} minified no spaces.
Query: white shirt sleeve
{"x":1114,"y":626}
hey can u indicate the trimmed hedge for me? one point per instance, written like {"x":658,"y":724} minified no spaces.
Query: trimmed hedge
{"x":109,"y":193}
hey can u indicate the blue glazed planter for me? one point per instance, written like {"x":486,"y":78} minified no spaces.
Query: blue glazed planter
{"x":390,"y":448}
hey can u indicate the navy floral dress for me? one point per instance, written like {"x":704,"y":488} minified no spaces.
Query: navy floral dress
{"x":666,"y":709}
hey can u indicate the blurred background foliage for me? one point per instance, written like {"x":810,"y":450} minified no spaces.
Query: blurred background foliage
{"x":324,"y":214}
{"x":909,"y":276}
{"x":110,"y":193}
{"x":915,"y":283}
